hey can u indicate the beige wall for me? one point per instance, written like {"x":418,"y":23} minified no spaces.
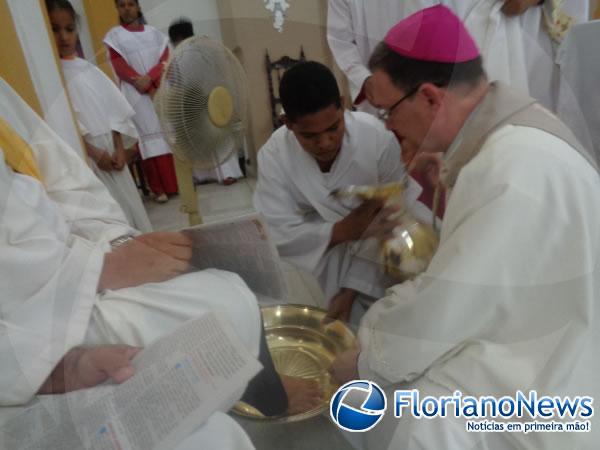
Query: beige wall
{"x":101,"y":16}
{"x":595,"y":9}
{"x":247,"y":29}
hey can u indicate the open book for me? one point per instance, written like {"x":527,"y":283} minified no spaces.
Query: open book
{"x":241,"y":245}
{"x":179,"y":381}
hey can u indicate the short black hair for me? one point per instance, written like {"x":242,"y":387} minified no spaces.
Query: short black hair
{"x":180,"y":29}
{"x":408,"y":73}
{"x":61,"y":5}
{"x":306,"y":88}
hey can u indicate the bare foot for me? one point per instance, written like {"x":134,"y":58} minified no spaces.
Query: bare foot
{"x":302,"y":394}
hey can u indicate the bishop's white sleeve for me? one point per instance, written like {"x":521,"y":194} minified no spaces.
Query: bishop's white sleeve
{"x":341,"y":38}
{"x":48,"y":280}
{"x":301,"y":237}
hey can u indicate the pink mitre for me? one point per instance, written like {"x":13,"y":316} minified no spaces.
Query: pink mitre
{"x":433,"y":34}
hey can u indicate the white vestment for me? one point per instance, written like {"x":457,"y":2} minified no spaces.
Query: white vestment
{"x":578,"y":102}
{"x":509,"y":301}
{"x":54,"y":236}
{"x":540,"y":51}
{"x":512,"y":47}
{"x":101,"y":109}
{"x":142,"y":51}
{"x":294,"y":196}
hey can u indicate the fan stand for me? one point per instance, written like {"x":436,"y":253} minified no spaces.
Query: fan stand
{"x":220,"y":105}
{"x":187,"y":191}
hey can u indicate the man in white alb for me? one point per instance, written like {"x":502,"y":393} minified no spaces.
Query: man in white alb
{"x":322,"y":148}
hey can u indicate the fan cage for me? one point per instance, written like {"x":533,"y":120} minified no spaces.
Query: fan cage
{"x":198,"y":66}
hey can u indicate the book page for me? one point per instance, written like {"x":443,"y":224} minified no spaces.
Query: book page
{"x":241,"y":245}
{"x":179,"y":381}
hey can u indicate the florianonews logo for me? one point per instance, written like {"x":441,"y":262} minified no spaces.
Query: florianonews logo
{"x":358,"y":406}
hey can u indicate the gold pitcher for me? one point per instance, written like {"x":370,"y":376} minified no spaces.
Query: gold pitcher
{"x":412,"y":245}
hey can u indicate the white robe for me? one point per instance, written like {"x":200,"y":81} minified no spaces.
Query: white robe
{"x":543,"y":72}
{"x":101,"y":109}
{"x":515,"y":50}
{"x":509,"y":301}
{"x":54,"y":236}
{"x":293,"y":195}
{"x":578,"y":102}
{"x":142,"y":51}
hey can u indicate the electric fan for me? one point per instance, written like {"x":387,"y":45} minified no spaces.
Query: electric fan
{"x":202,"y":104}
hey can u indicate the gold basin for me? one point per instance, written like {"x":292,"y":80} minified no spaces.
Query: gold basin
{"x":302,"y":346}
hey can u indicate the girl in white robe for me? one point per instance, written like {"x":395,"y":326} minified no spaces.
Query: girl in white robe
{"x":101,"y":113}
{"x":103,"y":116}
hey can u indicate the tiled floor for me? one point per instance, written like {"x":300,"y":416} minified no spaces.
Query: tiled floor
{"x":217,"y":203}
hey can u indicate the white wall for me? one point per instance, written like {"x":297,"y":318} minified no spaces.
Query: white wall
{"x":203,"y":14}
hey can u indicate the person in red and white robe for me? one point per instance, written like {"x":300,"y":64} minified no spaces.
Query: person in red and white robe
{"x":138,"y":53}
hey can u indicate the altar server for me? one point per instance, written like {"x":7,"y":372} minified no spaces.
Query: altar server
{"x":322,"y":148}
{"x":138,"y":53}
